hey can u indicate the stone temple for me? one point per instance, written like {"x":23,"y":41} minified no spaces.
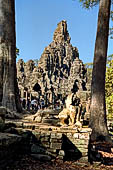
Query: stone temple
{"x":58,"y":73}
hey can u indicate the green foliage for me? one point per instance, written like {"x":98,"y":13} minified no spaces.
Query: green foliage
{"x":88,"y":65}
{"x":89,"y":3}
{"x":109,"y":86}
{"x":111,"y":33}
{"x":109,"y":58}
{"x":109,"y":82}
{"x":17,"y":51}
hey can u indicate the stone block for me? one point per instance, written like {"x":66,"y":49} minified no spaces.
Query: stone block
{"x":84,"y":136}
{"x":46,"y":144}
{"x":82,"y":146}
{"x":38,"y":119}
{"x":56,"y":145}
{"x":56,"y":140}
{"x":81,"y":142}
{"x":59,"y":135}
{"x":85,"y":130}
{"x":69,"y":135}
{"x":83,"y":159}
{"x":76,"y":135}
{"x":46,"y":139}
{"x":37,"y":149}
{"x":47,"y":134}
{"x":42,"y":134}
{"x":53,"y":154}
{"x":7,"y":139}
{"x":51,"y":150}
{"x":61,"y":153}
{"x":82,"y":150}
{"x":3,"y":111}
{"x":84,"y":154}
{"x":41,"y":157}
{"x":53,"y":140}
{"x":53,"y":135}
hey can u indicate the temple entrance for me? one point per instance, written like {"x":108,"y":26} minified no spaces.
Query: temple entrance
{"x":37,"y":87}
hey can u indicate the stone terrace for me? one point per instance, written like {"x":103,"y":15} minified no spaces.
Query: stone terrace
{"x":58,"y":142}
{"x":44,"y":141}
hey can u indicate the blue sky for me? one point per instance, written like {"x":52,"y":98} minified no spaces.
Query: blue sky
{"x":36,"y":21}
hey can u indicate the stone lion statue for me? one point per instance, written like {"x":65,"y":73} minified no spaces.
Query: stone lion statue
{"x":71,"y":114}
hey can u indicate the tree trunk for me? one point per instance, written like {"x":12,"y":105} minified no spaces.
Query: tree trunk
{"x":9,"y":89}
{"x":98,"y":121}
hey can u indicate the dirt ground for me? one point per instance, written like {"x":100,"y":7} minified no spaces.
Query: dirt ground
{"x":26,"y":162}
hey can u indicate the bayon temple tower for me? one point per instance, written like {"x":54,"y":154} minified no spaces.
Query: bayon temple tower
{"x":58,"y":73}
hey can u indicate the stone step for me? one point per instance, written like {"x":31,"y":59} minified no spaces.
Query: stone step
{"x":9,"y":147}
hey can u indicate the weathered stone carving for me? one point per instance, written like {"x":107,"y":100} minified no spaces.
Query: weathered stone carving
{"x":59,"y":72}
{"x":88,"y":104}
{"x":72,"y":112}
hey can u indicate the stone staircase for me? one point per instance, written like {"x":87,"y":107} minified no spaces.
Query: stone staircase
{"x":58,"y":142}
{"x":43,"y":141}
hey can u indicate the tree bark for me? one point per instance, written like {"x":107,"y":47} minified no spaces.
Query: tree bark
{"x":98,"y":121}
{"x":9,"y":96}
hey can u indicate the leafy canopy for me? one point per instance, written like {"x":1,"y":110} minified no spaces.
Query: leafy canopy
{"x":108,"y":84}
{"x":89,"y":3}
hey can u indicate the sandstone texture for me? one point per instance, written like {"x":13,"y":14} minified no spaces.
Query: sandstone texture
{"x":59,"y":71}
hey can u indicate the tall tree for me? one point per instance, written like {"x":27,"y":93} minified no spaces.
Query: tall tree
{"x":98,"y":121}
{"x":8,"y":83}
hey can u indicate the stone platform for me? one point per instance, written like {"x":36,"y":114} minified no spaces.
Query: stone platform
{"x":44,"y":142}
{"x":9,"y":146}
{"x":66,"y":143}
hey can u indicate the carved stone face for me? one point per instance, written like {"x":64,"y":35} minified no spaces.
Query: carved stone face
{"x":30,"y":65}
{"x":61,"y":34}
{"x":20,"y":65}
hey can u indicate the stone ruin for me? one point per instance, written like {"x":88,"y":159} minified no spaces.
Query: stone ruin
{"x":59,"y":78}
{"x":59,"y":72}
